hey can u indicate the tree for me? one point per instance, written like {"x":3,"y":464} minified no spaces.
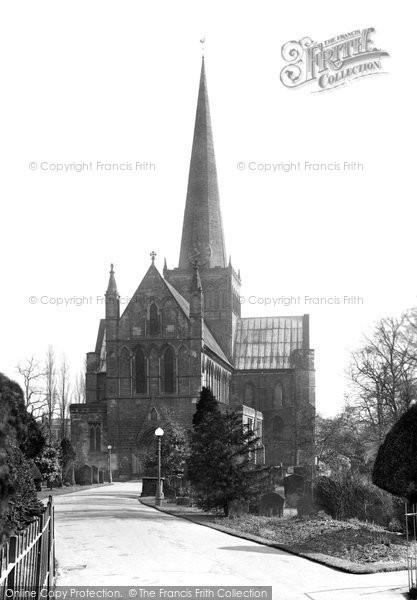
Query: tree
{"x":20,"y":438}
{"x":48,"y":463}
{"x":383,"y":376}
{"x":221,"y":467}
{"x":395,"y":468}
{"x":341,"y":440}
{"x":174,"y":454}
{"x":63,"y":395}
{"x":31,"y":371}
{"x":207,"y":404}
{"x":79,"y":388}
{"x":50,"y":388}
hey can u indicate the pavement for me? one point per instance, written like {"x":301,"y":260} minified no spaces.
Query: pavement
{"x":105,"y":537}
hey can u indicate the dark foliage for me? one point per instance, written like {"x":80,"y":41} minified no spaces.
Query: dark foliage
{"x":207,"y":404}
{"x":395,"y":468}
{"x":349,"y":496}
{"x":20,"y":439}
{"x":220,"y":466}
{"x":20,"y":426}
{"x":23,"y":505}
{"x":33,"y":441}
{"x":48,"y":463}
{"x":327,"y":495}
{"x":174,"y":454}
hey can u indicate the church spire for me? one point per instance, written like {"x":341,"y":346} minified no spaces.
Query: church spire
{"x":202,"y":233}
{"x":112,"y":287}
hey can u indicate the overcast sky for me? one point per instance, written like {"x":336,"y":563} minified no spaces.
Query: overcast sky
{"x":116,"y":82}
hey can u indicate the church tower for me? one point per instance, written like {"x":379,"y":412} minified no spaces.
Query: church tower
{"x":203,"y":242}
{"x":183,"y":331}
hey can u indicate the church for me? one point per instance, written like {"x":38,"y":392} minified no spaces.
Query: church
{"x":183,"y":330}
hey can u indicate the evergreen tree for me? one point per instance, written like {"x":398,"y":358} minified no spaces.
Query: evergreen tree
{"x":48,"y":463}
{"x":207,"y":404}
{"x":221,"y":467}
{"x":20,"y":438}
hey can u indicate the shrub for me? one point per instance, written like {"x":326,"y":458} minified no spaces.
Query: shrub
{"x":327,"y":496}
{"x":24,"y":505}
{"x":395,"y":467}
{"x":48,"y":464}
{"x":349,"y":497}
{"x":20,"y":438}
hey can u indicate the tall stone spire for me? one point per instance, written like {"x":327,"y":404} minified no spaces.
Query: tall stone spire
{"x":112,"y":287}
{"x":202,"y":232}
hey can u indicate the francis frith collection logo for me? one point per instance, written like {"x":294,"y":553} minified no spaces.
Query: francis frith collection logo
{"x":332,"y":63}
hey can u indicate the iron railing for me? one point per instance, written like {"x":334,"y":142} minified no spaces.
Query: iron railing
{"x":27,"y":560}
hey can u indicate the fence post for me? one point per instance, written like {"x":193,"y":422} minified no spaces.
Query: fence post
{"x":12,"y":559}
{"x":39,"y":558}
{"x":50,"y":543}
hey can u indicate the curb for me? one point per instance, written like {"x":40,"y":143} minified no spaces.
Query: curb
{"x":338,"y":564}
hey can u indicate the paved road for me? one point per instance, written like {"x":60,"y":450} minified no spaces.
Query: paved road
{"x":104,"y":536}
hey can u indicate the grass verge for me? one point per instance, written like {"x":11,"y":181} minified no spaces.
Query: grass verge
{"x":348,"y":546}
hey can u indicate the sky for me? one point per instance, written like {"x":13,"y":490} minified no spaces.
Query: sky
{"x":109,"y":83}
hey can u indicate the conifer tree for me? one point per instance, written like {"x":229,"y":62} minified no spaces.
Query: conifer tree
{"x":207,"y":404}
{"x":221,"y":465}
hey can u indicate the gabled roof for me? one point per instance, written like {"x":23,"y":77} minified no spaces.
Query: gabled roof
{"x":211,"y":343}
{"x":180,"y":300}
{"x":183,"y":303}
{"x":267,"y":342}
{"x":208,"y":338}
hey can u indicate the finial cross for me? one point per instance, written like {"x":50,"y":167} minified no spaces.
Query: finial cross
{"x":153,"y":255}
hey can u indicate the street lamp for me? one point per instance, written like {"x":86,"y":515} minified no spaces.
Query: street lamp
{"x":159,"y":494}
{"x":110,"y":475}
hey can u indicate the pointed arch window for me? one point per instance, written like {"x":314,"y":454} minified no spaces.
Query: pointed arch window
{"x":153,"y":415}
{"x":210,"y":298}
{"x":141,"y":375}
{"x":153,"y":320}
{"x":124,"y":363}
{"x":169,"y":371}
{"x":95,"y":436}
{"x":169,"y":318}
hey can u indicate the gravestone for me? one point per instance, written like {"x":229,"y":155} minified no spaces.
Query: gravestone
{"x":183,"y":501}
{"x":294,"y":490}
{"x":83,"y":475}
{"x":149,"y":485}
{"x":94,"y":474}
{"x":271,"y":505}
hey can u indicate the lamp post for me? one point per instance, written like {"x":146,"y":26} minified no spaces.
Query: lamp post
{"x":110,"y":474}
{"x":159,"y":495}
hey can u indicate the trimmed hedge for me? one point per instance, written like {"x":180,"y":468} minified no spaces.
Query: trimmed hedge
{"x":395,"y":468}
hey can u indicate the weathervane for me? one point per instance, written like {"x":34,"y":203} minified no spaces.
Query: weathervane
{"x":202,"y":40}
